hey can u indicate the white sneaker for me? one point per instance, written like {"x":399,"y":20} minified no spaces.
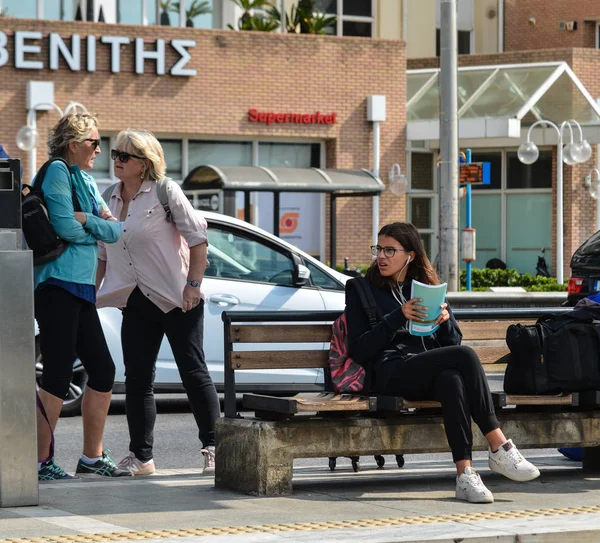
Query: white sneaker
{"x":470,"y":488}
{"x":209,"y":461}
{"x":508,"y":461}
{"x":135,"y":466}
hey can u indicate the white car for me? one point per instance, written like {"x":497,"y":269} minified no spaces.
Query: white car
{"x":249,"y":270}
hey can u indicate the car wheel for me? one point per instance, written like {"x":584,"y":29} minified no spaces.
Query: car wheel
{"x":72,"y":404}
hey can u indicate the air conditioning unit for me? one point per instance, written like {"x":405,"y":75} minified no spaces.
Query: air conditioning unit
{"x":570,"y":26}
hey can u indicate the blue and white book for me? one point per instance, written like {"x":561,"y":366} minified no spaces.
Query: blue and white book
{"x":433,"y":297}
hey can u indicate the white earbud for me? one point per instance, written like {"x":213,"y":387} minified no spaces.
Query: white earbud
{"x":408,"y":259}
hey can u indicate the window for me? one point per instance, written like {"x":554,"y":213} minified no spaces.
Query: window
{"x":62,"y":11}
{"x":421,"y":171}
{"x":464,"y":42}
{"x":220,"y":153}
{"x":173,"y":157}
{"x":422,"y":197}
{"x":236,"y":256}
{"x":26,"y":9}
{"x":320,"y":279}
{"x":354,"y":17}
{"x":101,"y":169}
{"x":495,"y":160}
{"x":535,"y":176}
{"x":289,"y":155}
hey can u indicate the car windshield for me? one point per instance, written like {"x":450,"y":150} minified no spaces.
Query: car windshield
{"x":233,"y":255}
{"x":590,"y":246}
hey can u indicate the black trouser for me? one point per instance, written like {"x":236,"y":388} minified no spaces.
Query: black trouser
{"x":451,"y":375}
{"x":144,"y":326}
{"x":69,"y":327}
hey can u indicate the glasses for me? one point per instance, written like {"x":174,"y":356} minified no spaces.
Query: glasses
{"x":388,"y":252}
{"x":123,"y":156}
{"x":95,"y":143}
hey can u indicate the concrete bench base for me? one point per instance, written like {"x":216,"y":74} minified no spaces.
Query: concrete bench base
{"x":256,"y":456}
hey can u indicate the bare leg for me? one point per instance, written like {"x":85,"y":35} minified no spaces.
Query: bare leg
{"x":495,"y":438}
{"x":94,"y":410}
{"x":461,"y":465}
{"x":52,"y":405}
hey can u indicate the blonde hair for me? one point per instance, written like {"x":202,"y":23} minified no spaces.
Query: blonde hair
{"x":71,"y":127}
{"x":143,"y":143}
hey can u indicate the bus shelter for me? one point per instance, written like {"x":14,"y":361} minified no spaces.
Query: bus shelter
{"x":217,"y":185}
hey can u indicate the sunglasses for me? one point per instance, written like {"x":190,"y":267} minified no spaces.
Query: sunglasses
{"x":95,"y":143}
{"x":123,"y":156}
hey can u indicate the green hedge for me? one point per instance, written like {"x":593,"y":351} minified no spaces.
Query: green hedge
{"x":482,"y":279}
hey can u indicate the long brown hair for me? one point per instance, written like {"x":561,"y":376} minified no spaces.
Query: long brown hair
{"x":419,"y":268}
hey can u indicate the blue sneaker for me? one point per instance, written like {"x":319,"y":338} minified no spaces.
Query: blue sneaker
{"x":50,"y":471}
{"x":104,"y":467}
{"x":572,"y":453}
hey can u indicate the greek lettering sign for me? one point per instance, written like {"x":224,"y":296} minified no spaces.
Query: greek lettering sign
{"x":28,"y":53}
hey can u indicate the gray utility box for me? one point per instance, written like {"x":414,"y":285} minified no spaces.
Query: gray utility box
{"x":18,"y":433}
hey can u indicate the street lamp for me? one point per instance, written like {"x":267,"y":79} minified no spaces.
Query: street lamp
{"x":28,"y":137}
{"x":594,"y":190}
{"x":397,"y":180}
{"x":571,"y":153}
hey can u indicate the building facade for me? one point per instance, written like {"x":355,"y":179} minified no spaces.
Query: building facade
{"x":207,"y":95}
{"x":204,"y":118}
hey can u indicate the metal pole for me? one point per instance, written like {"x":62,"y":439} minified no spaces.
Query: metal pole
{"x":282,"y":22}
{"x":33,"y":153}
{"x":332,"y":227}
{"x":468,"y":219}
{"x":598,"y":187}
{"x":375,"y":212}
{"x":559,"y":210}
{"x":449,"y":146}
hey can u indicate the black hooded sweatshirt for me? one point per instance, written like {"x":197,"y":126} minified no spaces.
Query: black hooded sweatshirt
{"x":367,"y":345}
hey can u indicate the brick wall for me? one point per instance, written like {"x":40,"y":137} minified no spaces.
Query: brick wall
{"x":521,"y":34}
{"x":236,"y":71}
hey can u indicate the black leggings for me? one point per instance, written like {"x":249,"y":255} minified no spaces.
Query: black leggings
{"x":451,"y":375}
{"x":144,"y":326}
{"x":69,"y":327}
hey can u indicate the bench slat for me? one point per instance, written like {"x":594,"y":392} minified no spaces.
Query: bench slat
{"x":518,"y":399}
{"x":298,"y":404}
{"x":264,"y":360}
{"x":492,"y":355}
{"x":473,"y":330}
{"x":268,"y":333}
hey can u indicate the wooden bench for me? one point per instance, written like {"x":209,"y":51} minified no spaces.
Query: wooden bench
{"x":255,"y":454}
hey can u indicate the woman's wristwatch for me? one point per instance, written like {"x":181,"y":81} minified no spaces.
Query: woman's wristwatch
{"x":193,"y":283}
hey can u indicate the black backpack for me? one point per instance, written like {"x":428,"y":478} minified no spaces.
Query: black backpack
{"x":558,"y":354}
{"x":39,"y":234}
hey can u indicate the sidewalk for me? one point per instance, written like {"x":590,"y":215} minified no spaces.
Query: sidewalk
{"x":415,"y":503}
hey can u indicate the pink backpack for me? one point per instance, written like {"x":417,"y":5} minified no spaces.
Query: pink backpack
{"x":347,"y":375}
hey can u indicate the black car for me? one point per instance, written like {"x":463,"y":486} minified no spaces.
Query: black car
{"x":585,"y":270}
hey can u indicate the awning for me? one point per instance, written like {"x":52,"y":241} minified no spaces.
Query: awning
{"x":259,"y":179}
{"x":497,"y":101}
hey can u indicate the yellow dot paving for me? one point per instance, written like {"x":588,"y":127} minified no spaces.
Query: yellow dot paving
{"x":304,"y":526}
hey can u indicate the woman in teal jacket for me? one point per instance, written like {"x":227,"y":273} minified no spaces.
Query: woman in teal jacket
{"x":65,"y":297}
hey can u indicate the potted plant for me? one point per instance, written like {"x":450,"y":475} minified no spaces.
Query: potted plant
{"x":198,"y":7}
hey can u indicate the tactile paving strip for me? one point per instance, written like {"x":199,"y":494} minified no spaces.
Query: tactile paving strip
{"x":304,"y":526}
